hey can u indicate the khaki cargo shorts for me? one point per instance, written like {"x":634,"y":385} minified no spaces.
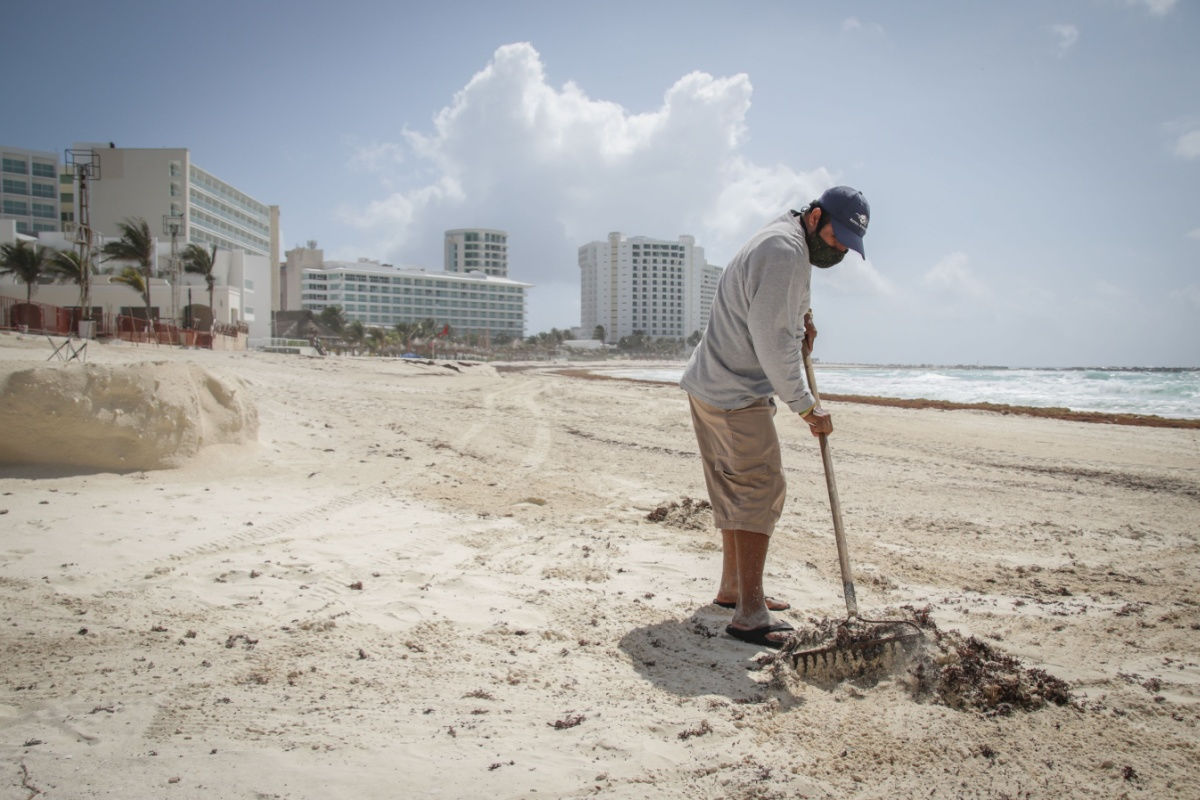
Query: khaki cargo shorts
{"x":742,"y":465}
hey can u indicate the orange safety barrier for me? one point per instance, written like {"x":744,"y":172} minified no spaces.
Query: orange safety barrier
{"x":42,"y":318}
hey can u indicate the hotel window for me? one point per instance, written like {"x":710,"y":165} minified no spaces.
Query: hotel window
{"x":15,"y":187}
{"x":45,"y":190}
{"x":42,"y":170}
{"x":17,"y":165}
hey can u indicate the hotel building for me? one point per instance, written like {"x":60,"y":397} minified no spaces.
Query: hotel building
{"x":659,"y":288}
{"x":483,"y":249}
{"x":161,"y":185}
{"x":381,"y":295}
{"x":29,"y":189}
{"x":39,"y":194}
{"x":153,"y":183}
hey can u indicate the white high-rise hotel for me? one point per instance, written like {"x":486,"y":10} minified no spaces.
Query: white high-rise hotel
{"x":482,"y":249}
{"x":473,"y":295}
{"x":662,"y":289}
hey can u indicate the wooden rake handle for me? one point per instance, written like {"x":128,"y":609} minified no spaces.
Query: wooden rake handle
{"x":834,"y":505}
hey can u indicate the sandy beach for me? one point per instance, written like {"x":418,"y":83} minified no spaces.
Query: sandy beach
{"x":374,"y":578}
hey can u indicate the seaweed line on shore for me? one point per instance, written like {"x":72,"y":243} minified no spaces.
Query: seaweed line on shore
{"x":1142,"y":420}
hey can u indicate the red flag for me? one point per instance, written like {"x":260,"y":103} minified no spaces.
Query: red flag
{"x":445,"y":331}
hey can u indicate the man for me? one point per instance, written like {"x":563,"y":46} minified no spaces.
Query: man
{"x":751,"y":350}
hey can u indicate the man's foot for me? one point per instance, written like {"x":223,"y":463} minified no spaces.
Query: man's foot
{"x":763,"y":636}
{"x":772,"y":604}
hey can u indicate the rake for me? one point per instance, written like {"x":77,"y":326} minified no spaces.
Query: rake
{"x":856,"y":641}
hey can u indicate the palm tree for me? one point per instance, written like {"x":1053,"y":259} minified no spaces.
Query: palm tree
{"x":355,"y":333}
{"x":404,"y":332}
{"x":133,"y":278}
{"x":137,"y":245}
{"x":376,"y":337}
{"x":334,"y":318}
{"x":26,"y":263}
{"x":69,"y":267}
{"x":199,"y":261}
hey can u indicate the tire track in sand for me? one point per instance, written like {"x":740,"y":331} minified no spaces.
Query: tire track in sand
{"x":251,"y":535}
{"x":517,"y":402}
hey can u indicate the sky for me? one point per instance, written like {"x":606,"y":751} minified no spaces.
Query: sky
{"x":1033,"y":166}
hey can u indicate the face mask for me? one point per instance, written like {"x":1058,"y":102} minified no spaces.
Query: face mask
{"x":820,"y":253}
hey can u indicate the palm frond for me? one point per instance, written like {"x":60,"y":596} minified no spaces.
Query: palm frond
{"x":25,"y":262}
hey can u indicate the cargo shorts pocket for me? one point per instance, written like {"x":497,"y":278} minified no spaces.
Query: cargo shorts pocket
{"x":749,"y":490}
{"x":744,"y":473}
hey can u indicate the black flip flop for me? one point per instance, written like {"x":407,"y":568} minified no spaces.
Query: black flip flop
{"x":759,"y":636}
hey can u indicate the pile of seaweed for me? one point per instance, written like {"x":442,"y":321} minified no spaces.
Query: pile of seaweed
{"x":967,"y":674}
{"x":686,"y":513}
{"x":944,"y":667}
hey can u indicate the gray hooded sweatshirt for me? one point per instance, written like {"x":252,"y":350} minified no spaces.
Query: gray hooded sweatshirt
{"x":751,"y":348}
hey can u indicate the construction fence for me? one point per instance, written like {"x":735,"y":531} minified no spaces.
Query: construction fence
{"x":43,"y":318}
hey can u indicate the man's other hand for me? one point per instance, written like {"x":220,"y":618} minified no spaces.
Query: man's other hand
{"x":819,"y":422}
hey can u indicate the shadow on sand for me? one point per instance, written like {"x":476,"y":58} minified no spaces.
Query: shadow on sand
{"x":36,"y":472}
{"x":693,"y":656}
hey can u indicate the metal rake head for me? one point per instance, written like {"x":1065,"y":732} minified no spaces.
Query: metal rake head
{"x":854,"y":650}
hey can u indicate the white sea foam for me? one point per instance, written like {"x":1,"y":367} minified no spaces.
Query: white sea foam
{"x":1164,"y":392}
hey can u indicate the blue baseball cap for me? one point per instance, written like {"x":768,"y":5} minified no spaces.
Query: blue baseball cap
{"x":847,"y":209}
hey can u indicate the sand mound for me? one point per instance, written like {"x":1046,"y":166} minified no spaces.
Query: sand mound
{"x":129,"y":417}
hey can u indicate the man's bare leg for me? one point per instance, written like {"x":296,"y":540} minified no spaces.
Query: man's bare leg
{"x":728,"y":591}
{"x":750,"y":556}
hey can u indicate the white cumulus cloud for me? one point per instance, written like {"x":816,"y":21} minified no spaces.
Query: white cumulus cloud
{"x":556,"y":169}
{"x":853,"y":25}
{"x":1156,"y":7}
{"x":377,"y":156}
{"x":1188,"y":145}
{"x":1189,"y":294}
{"x":952,"y":276}
{"x":854,"y":276}
{"x":1066,"y":37}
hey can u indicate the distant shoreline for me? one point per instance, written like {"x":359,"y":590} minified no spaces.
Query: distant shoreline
{"x":1142,"y":420}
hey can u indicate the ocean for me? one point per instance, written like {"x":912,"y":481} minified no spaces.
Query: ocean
{"x":1163,"y":392}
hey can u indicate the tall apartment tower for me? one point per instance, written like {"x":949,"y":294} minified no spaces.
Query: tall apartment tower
{"x":659,"y":288}
{"x":482,"y":249}
{"x":29,"y":189}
